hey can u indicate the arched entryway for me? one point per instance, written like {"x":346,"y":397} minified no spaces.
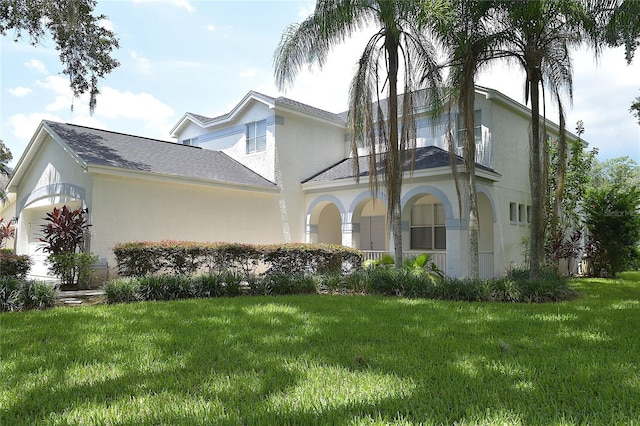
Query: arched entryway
{"x":330,"y":225}
{"x":485,"y":236}
{"x":325,"y":220}
{"x":31,"y":217}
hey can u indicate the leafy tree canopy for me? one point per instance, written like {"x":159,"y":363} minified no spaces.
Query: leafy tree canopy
{"x":84,"y":44}
{"x":635,"y":108}
{"x":622,"y":171}
{"x":623,"y":26}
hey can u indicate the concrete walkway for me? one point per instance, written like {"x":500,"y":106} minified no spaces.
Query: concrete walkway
{"x":79,"y":297}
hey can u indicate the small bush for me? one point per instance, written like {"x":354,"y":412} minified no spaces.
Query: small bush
{"x":122,"y":290}
{"x":37,"y":295}
{"x":13,"y":265}
{"x":400,"y":282}
{"x":165,"y":287}
{"x":208,"y":285}
{"x":357,"y":281}
{"x":278,"y":284}
{"x":73,"y":269}
{"x":19,"y":295}
{"x":9,"y":294}
{"x":232,"y":283}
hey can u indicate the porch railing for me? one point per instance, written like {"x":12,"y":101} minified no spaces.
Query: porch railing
{"x":485,"y":260}
{"x":485,"y":264}
{"x":438,"y":257}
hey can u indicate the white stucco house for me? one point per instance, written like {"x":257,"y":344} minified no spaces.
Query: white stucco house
{"x":275,"y":170}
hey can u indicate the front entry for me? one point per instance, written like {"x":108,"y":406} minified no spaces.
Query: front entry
{"x":372,"y":233}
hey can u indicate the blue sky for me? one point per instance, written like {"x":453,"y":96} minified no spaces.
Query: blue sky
{"x":182,"y":56}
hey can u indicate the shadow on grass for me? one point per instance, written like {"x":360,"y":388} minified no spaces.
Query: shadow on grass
{"x":324,"y":360}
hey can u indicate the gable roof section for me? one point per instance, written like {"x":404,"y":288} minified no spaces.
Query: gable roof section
{"x":428,"y":157}
{"x":106,"y":149}
{"x":277,"y":103}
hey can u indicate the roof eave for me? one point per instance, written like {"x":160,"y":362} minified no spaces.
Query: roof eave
{"x":32,"y":149}
{"x":141,"y":174}
{"x":225,"y":118}
{"x":296,"y":111}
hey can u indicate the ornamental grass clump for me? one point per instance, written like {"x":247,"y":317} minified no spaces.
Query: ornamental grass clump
{"x":20,"y":295}
{"x":122,"y":290}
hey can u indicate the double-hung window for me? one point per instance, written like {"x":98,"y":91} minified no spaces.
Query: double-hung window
{"x":428,"y":229}
{"x":256,"y":133}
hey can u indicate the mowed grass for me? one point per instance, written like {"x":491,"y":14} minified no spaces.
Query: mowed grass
{"x":327,"y":360}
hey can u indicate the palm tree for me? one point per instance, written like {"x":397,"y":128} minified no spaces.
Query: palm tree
{"x":397,"y":53}
{"x":542,"y":32}
{"x":469,"y":39}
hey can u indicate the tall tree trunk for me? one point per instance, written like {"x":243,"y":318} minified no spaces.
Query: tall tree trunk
{"x":394,"y":181}
{"x":556,"y":217}
{"x":536,"y":180}
{"x":468,"y":97}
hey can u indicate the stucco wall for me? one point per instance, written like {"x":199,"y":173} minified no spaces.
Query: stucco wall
{"x":304,"y":147}
{"x":51,"y":173}
{"x":134,"y":209}
{"x":510,"y":131}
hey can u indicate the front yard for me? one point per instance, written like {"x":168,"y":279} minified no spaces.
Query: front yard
{"x":327,"y":360}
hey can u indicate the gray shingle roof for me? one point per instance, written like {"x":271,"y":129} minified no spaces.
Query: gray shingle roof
{"x":429,"y":157}
{"x":105,"y":148}
{"x":282,"y":101}
{"x":309,"y":109}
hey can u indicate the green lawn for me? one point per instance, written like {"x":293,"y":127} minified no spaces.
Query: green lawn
{"x":327,"y":360}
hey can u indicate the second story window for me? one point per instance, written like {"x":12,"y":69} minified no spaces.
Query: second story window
{"x":256,"y":136}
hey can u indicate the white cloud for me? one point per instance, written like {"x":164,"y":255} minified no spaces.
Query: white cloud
{"x":106,"y":24}
{"x":36,"y":65}
{"x":23,"y":126}
{"x":249,"y":72}
{"x":141,"y":62}
{"x":211,"y":27}
{"x":306,"y":10}
{"x":20,"y":91}
{"x":185,"y":4}
{"x":328,"y":88}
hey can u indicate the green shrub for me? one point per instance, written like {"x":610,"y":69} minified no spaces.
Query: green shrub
{"x":37,"y":295}
{"x":331,"y":282}
{"x":13,"y":265}
{"x":9,"y":294}
{"x":18,"y":295}
{"x":506,"y":290}
{"x":73,"y":269}
{"x":185,"y":258}
{"x":122,"y":290}
{"x":232,"y":283}
{"x":548,"y":287}
{"x":356,"y":281}
{"x":208,"y":285}
{"x":165,"y":287}
{"x":400,"y":282}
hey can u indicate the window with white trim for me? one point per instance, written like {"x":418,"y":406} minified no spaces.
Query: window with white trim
{"x":513,"y":212}
{"x":461,"y":131}
{"x":428,"y":229}
{"x":256,"y":136}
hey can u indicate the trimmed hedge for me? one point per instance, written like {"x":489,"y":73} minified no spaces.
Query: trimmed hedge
{"x":13,"y":265}
{"x":138,"y":259}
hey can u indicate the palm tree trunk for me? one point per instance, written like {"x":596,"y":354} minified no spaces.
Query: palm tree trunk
{"x":536,"y":182}
{"x":394,"y":183}
{"x":556,"y":216}
{"x":468,"y":99}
